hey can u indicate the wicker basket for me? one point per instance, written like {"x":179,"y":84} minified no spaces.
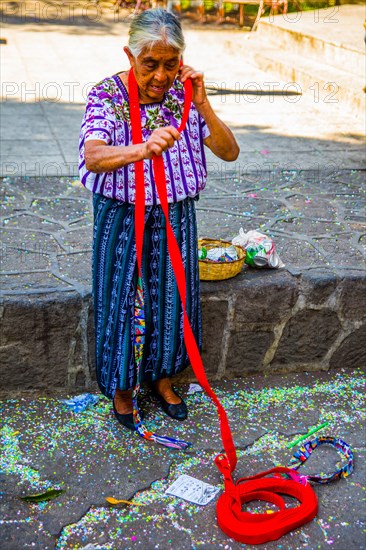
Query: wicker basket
{"x":218,"y":271}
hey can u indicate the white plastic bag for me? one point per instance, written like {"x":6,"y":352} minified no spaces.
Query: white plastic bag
{"x":260,"y":249}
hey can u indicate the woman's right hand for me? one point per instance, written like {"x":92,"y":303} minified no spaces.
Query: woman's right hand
{"x":159,"y":141}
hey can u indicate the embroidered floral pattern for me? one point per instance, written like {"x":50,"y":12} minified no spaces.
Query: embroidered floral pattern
{"x":107,"y":118}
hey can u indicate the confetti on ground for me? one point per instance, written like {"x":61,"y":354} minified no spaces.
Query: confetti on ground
{"x":89,"y":456}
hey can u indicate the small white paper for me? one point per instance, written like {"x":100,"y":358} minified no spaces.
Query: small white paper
{"x":194,"y":388}
{"x":193,"y":490}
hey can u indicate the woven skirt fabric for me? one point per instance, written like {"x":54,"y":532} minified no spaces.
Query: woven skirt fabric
{"x":114,"y":292}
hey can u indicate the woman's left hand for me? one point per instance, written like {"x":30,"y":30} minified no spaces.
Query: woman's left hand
{"x":199,"y":91}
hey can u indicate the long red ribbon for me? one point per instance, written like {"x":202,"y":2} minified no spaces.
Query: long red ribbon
{"x":174,"y":251}
{"x":242,"y":526}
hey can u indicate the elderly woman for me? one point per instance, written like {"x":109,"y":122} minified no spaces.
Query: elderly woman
{"x":107,"y":168}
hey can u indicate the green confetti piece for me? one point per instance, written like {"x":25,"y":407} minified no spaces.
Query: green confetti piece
{"x":40,"y":497}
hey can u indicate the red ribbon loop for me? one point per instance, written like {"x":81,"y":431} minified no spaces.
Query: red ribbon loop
{"x":259,"y":528}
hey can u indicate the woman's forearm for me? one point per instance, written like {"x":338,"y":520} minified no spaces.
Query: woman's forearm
{"x":221,"y":140}
{"x":100,"y":157}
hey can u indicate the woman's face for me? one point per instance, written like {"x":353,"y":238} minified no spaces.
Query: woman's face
{"x":155,"y":70}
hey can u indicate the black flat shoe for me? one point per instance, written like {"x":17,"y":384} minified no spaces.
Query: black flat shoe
{"x":124,"y":419}
{"x":178,"y":412}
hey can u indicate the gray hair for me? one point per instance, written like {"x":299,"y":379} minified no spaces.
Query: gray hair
{"x":152,"y":26}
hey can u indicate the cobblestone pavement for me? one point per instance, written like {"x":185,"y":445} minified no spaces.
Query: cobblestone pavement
{"x":315,"y":218}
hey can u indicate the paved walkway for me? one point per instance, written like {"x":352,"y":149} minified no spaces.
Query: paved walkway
{"x":46,"y":77}
{"x":315,"y":217}
{"x":91,"y":457}
{"x":339,"y":25}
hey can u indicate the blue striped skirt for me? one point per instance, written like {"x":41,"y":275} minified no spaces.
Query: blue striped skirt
{"x":114,"y":292}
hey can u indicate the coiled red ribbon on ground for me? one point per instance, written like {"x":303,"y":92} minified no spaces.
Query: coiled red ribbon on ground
{"x":242,"y":526}
{"x":260,"y":528}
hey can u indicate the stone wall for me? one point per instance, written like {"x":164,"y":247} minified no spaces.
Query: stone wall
{"x":260,"y":321}
{"x":276,"y":322}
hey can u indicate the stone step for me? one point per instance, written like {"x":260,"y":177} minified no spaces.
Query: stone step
{"x":304,"y":44}
{"x":326,"y":82}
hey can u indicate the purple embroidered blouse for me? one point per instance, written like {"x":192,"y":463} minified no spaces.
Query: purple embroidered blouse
{"x":107,"y":118}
